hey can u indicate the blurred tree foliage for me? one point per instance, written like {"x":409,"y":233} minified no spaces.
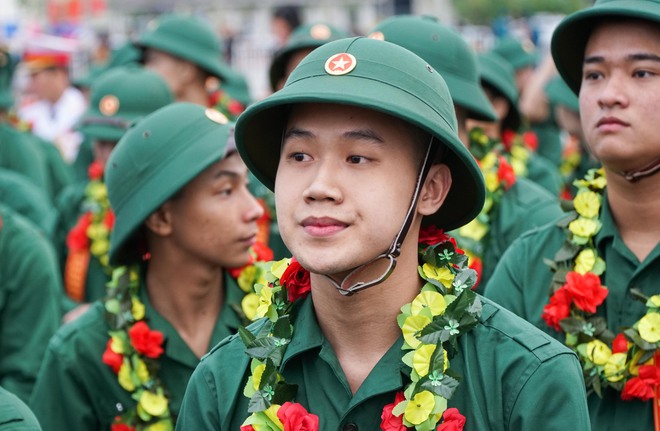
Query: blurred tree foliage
{"x":484,"y":11}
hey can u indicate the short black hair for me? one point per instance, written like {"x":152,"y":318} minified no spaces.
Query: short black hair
{"x":288,"y":13}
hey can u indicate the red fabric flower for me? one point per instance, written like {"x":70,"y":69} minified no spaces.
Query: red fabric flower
{"x":620,"y":344}
{"x":109,"y":219}
{"x":431,"y":235}
{"x":235,"y":108}
{"x":586,"y":290}
{"x":247,"y":428}
{"x":121,"y":427}
{"x":558,"y":308}
{"x":530,"y":140}
{"x":452,"y":420}
{"x":296,"y":281}
{"x":147,"y":342}
{"x":389,"y":422}
{"x":477,"y":265}
{"x":505,"y":173}
{"x":77,"y":238}
{"x":262,"y":251}
{"x":294,"y":417}
{"x":95,"y":171}
{"x":642,"y":386}
{"x":508,"y":136}
{"x":112,"y":359}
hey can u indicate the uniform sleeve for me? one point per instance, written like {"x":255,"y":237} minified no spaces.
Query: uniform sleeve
{"x":199,"y":410}
{"x":551,"y":397}
{"x":59,"y":398}
{"x":505,"y":286}
{"x":31,"y":313}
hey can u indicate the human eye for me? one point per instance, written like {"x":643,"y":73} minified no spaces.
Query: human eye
{"x":356,"y":160}
{"x":591,"y":75}
{"x":642,"y":73}
{"x":299,"y":157}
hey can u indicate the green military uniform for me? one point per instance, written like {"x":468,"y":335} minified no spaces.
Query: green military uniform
{"x":521,"y":283}
{"x":21,"y":195}
{"x":59,"y":174}
{"x":120,"y":97}
{"x":501,"y":356}
{"x":506,"y":365}
{"x":30,"y":289}
{"x":15,"y":415}
{"x":18,"y":154}
{"x":77,"y":391}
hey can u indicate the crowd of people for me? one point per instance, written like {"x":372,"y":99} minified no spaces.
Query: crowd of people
{"x":405,"y":234}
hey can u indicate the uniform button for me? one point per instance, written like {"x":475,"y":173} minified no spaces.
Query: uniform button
{"x":350,"y":427}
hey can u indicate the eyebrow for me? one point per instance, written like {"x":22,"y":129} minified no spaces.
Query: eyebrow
{"x":220,"y":174}
{"x":358,"y":134}
{"x":632,"y":57}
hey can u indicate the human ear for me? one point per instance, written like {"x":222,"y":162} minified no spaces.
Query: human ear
{"x":435,"y":189}
{"x":160,"y":221}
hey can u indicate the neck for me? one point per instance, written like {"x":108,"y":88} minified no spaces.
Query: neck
{"x":189,"y":295}
{"x":194,"y":94}
{"x":635,"y":207}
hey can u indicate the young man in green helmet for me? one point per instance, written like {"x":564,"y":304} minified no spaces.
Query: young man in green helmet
{"x":358,"y":153}
{"x":183,"y":216}
{"x":119,"y":98}
{"x":513,"y":205}
{"x":582,"y":279}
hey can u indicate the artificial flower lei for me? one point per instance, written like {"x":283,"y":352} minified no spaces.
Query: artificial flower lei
{"x":623,"y":361}
{"x":445,"y":309}
{"x":497,"y":167}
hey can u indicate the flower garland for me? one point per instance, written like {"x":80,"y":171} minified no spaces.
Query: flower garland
{"x":222,"y":102}
{"x":623,"y":362}
{"x":133,"y":348}
{"x":499,"y":175}
{"x":92,"y":231}
{"x":445,"y":309}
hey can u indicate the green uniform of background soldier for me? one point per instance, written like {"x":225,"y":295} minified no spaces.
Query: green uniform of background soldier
{"x":524,"y":205}
{"x":608,"y":54}
{"x":179,"y":192}
{"x":355,"y":122}
{"x":119,"y":98}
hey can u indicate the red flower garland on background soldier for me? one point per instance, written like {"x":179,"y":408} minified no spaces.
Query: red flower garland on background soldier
{"x":90,"y":236}
{"x":445,"y":309}
{"x":133,"y":349}
{"x":625,"y":361}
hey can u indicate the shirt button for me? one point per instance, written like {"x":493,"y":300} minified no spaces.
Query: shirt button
{"x":350,"y":427}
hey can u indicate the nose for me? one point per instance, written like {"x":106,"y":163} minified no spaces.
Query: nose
{"x":323,"y":185}
{"x":254,"y":208}
{"x":613,"y":91}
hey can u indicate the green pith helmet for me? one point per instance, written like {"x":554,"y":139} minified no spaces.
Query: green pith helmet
{"x":237,"y":87}
{"x":447,"y":52}
{"x":569,"y":39}
{"x":498,"y":74}
{"x":8,"y":65}
{"x":559,"y":93}
{"x":375,"y":75}
{"x":120,"y":97}
{"x":519,"y":54}
{"x":157,"y":157}
{"x":306,"y":36}
{"x":188,"y":38}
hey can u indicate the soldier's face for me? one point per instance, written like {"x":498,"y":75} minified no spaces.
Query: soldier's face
{"x":213,"y":219}
{"x":620,"y":94}
{"x":168,"y":67}
{"x":345,"y":180}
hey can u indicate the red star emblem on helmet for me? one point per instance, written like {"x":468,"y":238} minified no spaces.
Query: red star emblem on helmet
{"x":340,"y":64}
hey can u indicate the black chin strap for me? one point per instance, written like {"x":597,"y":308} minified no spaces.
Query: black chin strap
{"x":391,"y":254}
{"x":637,"y":174}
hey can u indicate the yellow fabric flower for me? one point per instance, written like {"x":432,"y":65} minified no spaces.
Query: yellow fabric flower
{"x":615,"y":367}
{"x":654,"y":301}
{"x":142,"y":372}
{"x":585,"y":260}
{"x":154,"y":404}
{"x":411,"y":326}
{"x":587,"y":203}
{"x":492,"y":181}
{"x":159,"y":426}
{"x":520,"y":153}
{"x":279,"y":267}
{"x":97,"y":191}
{"x":250,"y":304}
{"x":137,"y":308}
{"x":117,"y":344}
{"x":488,"y":161}
{"x":419,"y":408}
{"x":271,"y":413}
{"x":246,"y":278}
{"x":474,"y":230}
{"x":519,"y":167}
{"x":422,"y":359}
{"x":265,"y":301}
{"x":99,"y":247}
{"x":443,"y":275}
{"x":257,"y":374}
{"x":583,"y":227}
{"x":649,"y":327}
{"x":598,"y":352}
{"x":125,"y":378}
{"x":434,"y":301}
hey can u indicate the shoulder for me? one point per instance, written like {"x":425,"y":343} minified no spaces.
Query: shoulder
{"x":85,"y":335}
{"x":527,"y":193}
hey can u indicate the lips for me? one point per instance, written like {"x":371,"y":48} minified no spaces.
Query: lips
{"x":322,"y":226}
{"x":611,"y":122}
